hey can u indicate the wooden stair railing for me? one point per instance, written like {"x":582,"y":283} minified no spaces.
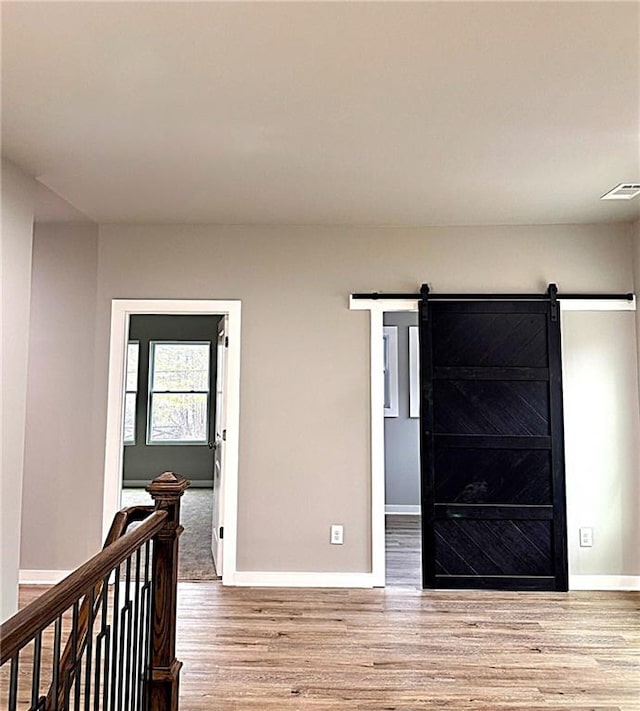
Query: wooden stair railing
{"x":128,"y":591}
{"x":121,"y":522}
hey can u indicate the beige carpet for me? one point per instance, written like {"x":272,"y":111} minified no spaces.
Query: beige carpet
{"x":195,"y":561}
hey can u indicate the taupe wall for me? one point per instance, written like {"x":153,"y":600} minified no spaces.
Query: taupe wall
{"x":18,"y":193}
{"x":62,"y":432}
{"x":304,"y":439}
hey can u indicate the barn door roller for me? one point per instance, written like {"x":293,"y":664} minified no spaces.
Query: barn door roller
{"x":552,"y":291}
{"x":424,"y":298}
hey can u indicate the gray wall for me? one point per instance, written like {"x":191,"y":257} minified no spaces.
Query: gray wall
{"x":18,"y":193}
{"x":305,"y":381}
{"x":402,"y":433}
{"x":62,"y":434}
{"x":141,"y":461}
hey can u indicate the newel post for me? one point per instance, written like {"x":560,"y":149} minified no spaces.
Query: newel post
{"x":164,"y":672}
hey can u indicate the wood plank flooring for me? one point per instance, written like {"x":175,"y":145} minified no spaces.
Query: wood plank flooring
{"x":406,"y":649}
{"x":403,"y":649}
{"x":403,"y":549}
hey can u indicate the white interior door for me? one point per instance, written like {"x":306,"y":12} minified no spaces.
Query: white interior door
{"x":220,"y":434}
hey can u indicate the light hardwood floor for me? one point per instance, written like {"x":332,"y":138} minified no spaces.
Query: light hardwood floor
{"x":403,"y":559}
{"x":246,"y":649}
{"x":407,"y":649}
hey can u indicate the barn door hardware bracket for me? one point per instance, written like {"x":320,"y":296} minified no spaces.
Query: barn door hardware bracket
{"x":424,"y":298}
{"x":552,"y":291}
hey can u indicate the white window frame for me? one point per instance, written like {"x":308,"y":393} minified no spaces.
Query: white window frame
{"x":150,"y":393}
{"x":131,"y":442}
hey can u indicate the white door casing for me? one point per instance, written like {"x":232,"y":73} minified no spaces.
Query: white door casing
{"x":377,"y":308}
{"x":121,"y":310}
{"x":219,"y":444}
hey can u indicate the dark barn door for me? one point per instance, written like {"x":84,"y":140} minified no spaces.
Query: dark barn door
{"x":493,"y":497}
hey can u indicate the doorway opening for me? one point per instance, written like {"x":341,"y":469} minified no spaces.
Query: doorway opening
{"x":577,"y":360}
{"x":173,"y":405}
{"x":169,"y":424}
{"x":402,"y":450}
{"x":444,"y":393}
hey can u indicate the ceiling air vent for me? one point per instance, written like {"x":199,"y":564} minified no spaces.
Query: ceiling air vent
{"x":624,"y":191}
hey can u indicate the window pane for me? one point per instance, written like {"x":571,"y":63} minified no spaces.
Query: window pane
{"x":178,"y":418}
{"x":180,"y":366}
{"x":129,"y":417}
{"x":132,"y":367}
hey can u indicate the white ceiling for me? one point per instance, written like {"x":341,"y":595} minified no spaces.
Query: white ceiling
{"x":329,"y":113}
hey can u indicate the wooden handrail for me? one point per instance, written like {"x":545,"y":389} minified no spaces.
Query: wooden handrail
{"x":25,"y":625}
{"x":145,"y":656}
{"x":76,"y":643}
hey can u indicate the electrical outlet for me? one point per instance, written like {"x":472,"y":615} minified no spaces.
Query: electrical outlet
{"x":337,"y":533}
{"x":586,"y":537}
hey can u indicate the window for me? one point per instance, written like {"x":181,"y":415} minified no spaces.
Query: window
{"x":178,"y":392}
{"x":131,"y":393}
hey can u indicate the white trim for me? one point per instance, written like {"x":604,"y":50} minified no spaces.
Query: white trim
{"x":383,"y":305}
{"x":403,"y":509}
{"x":378,"y":553}
{"x":377,"y":309}
{"x":303,"y":580}
{"x":42,"y":577}
{"x":604,"y":582}
{"x":565,"y":304}
{"x":597,"y":304}
{"x":121,"y":310}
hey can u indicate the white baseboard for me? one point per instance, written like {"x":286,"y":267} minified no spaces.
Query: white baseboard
{"x":604,"y":582}
{"x":341,"y":580}
{"x":302,"y":580}
{"x":403,"y":509}
{"x":42,"y":577}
